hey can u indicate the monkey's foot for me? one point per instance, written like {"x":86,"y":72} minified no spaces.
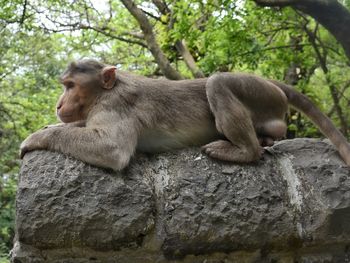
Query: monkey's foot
{"x":226,"y":151}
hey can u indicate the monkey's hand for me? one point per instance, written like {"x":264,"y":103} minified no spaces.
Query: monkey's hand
{"x":36,"y":141}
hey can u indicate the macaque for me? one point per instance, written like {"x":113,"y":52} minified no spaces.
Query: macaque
{"x":109,"y":114}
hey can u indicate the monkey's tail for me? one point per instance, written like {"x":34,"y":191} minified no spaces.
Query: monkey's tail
{"x":326,"y":126}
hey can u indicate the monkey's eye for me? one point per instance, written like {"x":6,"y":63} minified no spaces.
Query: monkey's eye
{"x":69,"y":84}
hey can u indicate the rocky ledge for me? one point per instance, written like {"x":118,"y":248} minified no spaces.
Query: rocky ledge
{"x":291,"y":206}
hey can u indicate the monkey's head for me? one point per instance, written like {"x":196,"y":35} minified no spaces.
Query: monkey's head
{"x":84,"y":81}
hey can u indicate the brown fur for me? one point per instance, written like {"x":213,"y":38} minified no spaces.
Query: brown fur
{"x":110,"y":114}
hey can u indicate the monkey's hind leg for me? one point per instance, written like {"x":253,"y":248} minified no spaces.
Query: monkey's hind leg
{"x":233,"y":120}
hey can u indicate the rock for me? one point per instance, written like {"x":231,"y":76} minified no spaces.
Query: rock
{"x":291,"y":206}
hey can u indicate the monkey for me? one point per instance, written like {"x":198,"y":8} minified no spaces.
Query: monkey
{"x":107,"y":115}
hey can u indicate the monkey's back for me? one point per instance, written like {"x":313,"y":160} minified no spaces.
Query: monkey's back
{"x":180,"y":115}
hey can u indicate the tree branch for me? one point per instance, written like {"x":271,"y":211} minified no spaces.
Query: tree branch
{"x":151,"y":41}
{"x":274,"y":48}
{"x":153,"y":16}
{"x":333,"y":90}
{"x":104,"y":32}
{"x":180,"y":45}
{"x":275,"y":2}
{"x":23,"y":17}
{"x":188,"y":58}
{"x":329,"y":13}
{"x":341,"y":94}
{"x":162,"y":7}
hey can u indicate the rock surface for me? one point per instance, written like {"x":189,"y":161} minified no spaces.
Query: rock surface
{"x":292,"y":206}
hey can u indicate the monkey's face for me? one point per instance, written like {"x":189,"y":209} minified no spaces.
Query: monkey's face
{"x":83,"y":83}
{"x":80,"y":93}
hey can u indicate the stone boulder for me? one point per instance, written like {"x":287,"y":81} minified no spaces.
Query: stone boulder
{"x":291,"y":206}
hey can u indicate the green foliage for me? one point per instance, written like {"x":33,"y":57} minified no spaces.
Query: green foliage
{"x":26,"y":99}
{"x":221,"y":35}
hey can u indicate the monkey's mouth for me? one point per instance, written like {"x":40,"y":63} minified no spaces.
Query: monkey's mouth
{"x":66,"y":117}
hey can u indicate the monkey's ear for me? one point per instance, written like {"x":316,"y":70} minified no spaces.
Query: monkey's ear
{"x":108,"y":77}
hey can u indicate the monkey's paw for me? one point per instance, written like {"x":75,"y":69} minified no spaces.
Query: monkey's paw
{"x":36,"y":141}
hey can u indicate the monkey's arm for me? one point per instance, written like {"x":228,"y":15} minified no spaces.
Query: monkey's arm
{"x":109,"y":146}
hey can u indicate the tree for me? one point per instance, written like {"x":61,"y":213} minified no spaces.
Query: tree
{"x":329,"y":13}
{"x":150,"y":38}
